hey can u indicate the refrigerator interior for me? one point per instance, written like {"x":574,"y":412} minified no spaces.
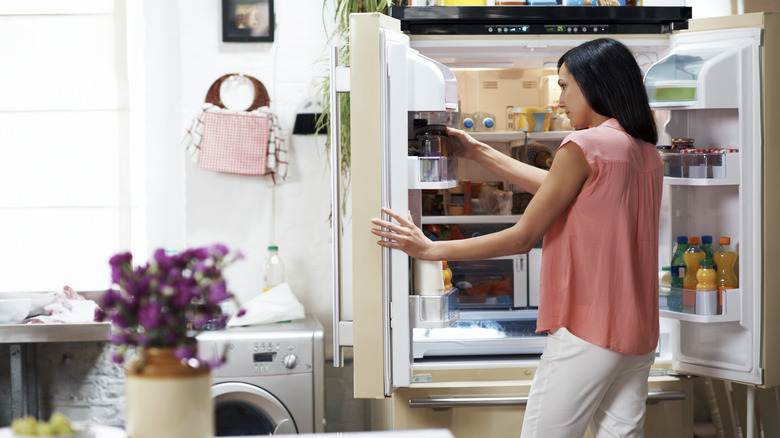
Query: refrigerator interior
{"x":494,"y":77}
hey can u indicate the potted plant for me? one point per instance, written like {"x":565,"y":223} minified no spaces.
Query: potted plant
{"x":340,"y":37}
{"x":158,"y":309}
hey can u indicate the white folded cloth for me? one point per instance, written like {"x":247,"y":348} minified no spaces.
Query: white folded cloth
{"x":273,"y":305}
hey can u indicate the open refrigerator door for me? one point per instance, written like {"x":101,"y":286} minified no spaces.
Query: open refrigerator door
{"x":387,"y":80}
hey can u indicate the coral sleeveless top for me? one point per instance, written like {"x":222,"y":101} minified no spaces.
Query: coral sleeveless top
{"x":599,"y":276}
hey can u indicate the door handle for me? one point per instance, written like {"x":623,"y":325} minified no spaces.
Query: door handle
{"x":339,"y":83}
{"x":469,"y":402}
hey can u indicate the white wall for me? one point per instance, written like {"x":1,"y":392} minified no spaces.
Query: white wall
{"x":191,"y":207}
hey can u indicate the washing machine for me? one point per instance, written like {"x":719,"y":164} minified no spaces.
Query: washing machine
{"x":273,"y":380}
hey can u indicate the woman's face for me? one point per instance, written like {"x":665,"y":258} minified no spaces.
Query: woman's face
{"x":580,"y":114}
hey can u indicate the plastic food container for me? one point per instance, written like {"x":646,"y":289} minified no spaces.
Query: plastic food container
{"x":532,"y":119}
{"x":673,"y":91}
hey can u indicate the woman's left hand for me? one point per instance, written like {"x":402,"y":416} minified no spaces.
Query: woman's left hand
{"x":404,"y":235}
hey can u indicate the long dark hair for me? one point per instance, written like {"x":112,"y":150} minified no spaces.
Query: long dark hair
{"x":611,"y":81}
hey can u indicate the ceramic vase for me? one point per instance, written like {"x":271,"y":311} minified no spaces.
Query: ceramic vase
{"x":166,"y":397}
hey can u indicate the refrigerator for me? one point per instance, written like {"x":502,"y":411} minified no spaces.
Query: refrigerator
{"x":710,"y":80}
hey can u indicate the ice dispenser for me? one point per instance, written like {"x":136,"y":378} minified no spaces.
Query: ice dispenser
{"x":433,"y":88}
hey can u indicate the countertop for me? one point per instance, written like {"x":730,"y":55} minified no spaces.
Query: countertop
{"x":30,"y":333}
{"x":114,"y":432}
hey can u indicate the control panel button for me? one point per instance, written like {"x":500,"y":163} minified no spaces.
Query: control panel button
{"x":290,"y":361}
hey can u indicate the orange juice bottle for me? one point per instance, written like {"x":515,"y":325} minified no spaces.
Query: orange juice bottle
{"x":725,"y":258}
{"x":692,"y":256}
{"x":705,"y":276}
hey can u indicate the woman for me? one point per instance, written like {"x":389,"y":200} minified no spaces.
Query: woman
{"x":597,"y":209}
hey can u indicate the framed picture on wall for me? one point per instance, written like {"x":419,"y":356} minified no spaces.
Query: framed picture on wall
{"x":247,"y":21}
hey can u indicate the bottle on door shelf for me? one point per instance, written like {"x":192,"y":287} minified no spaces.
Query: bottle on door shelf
{"x":273,"y":269}
{"x":692,"y":256}
{"x":706,"y":293}
{"x":678,"y":261}
{"x":705,"y":275}
{"x":725,"y":258}
{"x":706,"y":246}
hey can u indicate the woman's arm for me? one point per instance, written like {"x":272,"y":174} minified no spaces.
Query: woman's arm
{"x":523,"y":175}
{"x":568,"y":175}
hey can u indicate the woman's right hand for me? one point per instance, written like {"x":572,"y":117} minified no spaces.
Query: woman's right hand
{"x":462,"y":144}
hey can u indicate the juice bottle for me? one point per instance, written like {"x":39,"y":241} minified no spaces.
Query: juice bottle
{"x":692,"y":256}
{"x":725,"y":258}
{"x":706,"y":294}
{"x":677,"y":258}
{"x":705,"y":275}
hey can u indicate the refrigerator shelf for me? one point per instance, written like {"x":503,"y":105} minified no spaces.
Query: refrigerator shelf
{"x":519,"y":135}
{"x":714,"y":169}
{"x":689,"y":311}
{"x":434,"y":311}
{"x":472,"y":219}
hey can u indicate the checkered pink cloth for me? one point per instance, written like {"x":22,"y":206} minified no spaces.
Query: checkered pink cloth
{"x":234,"y":143}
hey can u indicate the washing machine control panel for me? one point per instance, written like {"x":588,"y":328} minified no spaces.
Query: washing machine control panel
{"x":246,"y":357}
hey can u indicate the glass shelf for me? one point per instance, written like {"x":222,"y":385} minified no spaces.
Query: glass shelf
{"x":472,"y":219}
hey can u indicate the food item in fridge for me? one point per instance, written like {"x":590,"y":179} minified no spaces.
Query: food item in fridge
{"x":446,"y":274}
{"x":665,"y":276}
{"x":467,"y":122}
{"x":679,"y":144}
{"x":692,"y":256}
{"x":725,"y":258}
{"x":539,"y":155}
{"x":428,"y":278}
{"x":533,"y":119}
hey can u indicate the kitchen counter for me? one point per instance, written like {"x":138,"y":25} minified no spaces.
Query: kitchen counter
{"x":34,"y":333}
{"x":21,"y":337}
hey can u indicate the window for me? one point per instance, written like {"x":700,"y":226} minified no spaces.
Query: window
{"x":72,"y":181}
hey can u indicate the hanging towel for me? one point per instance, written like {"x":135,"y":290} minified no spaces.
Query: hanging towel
{"x":243,"y":142}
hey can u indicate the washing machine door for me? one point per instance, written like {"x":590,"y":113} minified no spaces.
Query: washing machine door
{"x":244,"y":409}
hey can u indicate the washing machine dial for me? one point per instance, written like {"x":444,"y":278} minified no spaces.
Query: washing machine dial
{"x":290,"y":361}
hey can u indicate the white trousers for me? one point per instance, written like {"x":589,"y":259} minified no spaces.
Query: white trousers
{"x":578,"y":383}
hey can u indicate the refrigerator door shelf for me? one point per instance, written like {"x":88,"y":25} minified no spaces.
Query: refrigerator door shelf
{"x":701,"y":75}
{"x":434,"y":311}
{"x":702,"y":169}
{"x":732,"y":307}
{"x":432,"y":172}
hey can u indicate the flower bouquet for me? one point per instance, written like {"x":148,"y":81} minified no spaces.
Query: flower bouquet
{"x":167,"y":302}
{"x":159,"y":309}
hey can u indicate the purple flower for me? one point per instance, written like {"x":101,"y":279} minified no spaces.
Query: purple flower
{"x":185,"y":351}
{"x":149,"y":316}
{"x":218,"y":292}
{"x":118,"y":358}
{"x":157,"y":303}
{"x":219,"y":249}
